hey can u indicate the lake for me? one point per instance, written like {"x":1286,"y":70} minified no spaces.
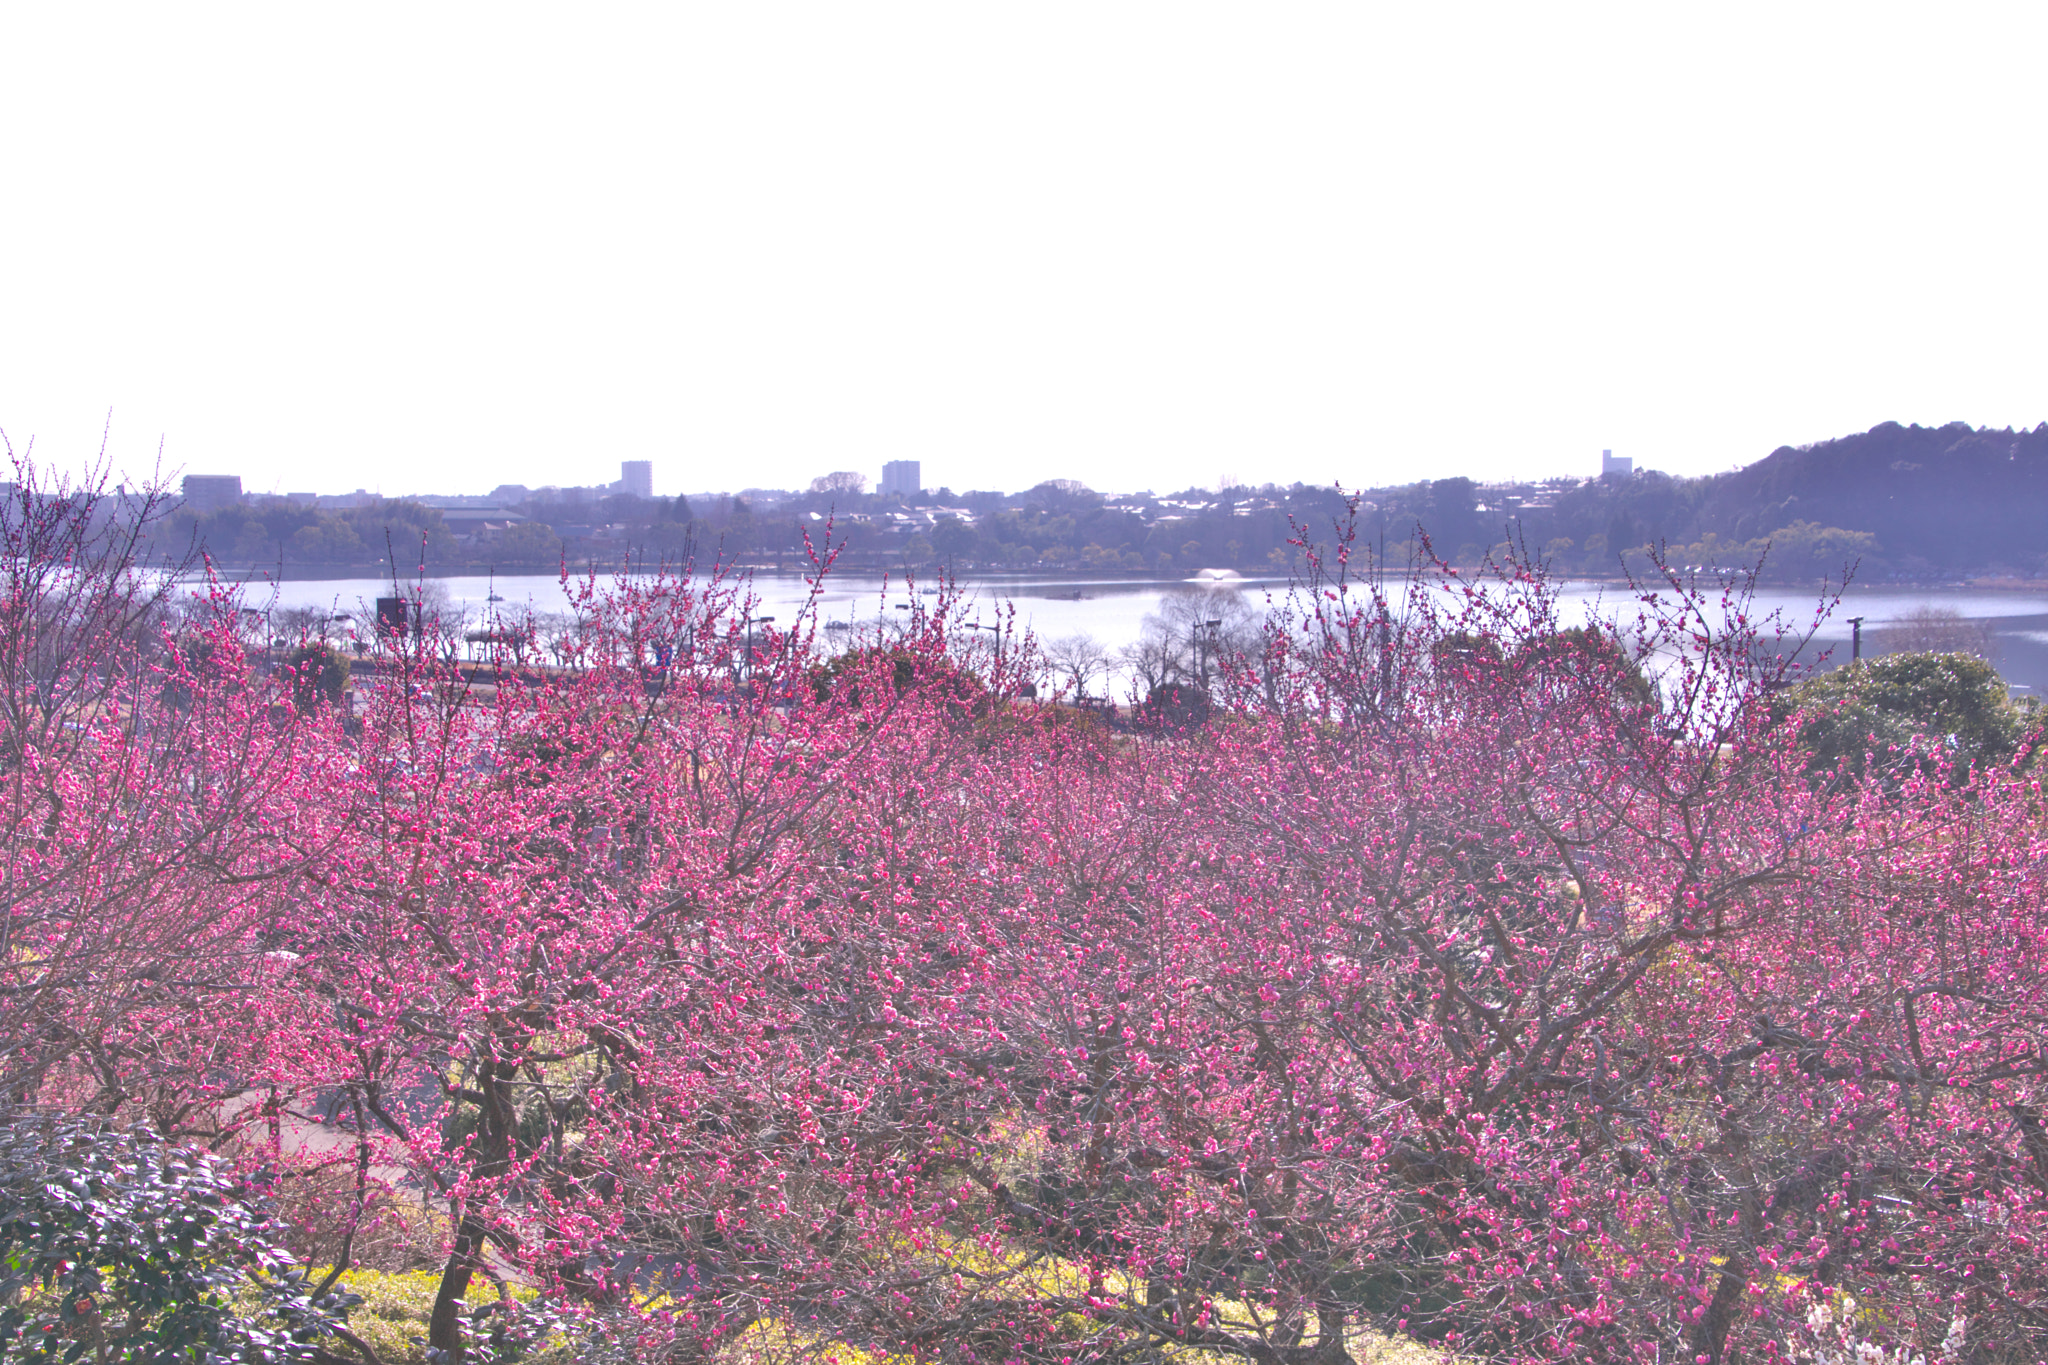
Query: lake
{"x":1113,"y":611}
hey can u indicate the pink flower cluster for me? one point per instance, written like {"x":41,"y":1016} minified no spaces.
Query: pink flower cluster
{"x":1508,"y":984}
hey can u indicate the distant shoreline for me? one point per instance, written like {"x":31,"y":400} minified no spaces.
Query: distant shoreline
{"x":249,"y":575}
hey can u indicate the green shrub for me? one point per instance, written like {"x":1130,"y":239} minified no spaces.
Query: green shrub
{"x":117,"y":1247}
{"x":1907,"y":711}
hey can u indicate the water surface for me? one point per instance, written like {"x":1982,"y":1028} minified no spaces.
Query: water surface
{"x":1114,"y":611}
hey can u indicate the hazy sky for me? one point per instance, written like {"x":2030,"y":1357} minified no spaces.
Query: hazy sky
{"x":436,"y":248}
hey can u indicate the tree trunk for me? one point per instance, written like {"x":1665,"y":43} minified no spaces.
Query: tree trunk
{"x":444,"y":1327}
{"x":1710,"y":1338}
{"x":1330,"y":1348}
{"x":493,"y":1150}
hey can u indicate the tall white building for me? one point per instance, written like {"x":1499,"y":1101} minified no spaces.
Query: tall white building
{"x":637,"y":477}
{"x":1609,"y":464}
{"x":901,"y":479}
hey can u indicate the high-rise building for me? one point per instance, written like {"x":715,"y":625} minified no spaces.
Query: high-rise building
{"x":637,"y":477}
{"x":901,"y":479}
{"x":211,"y":492}
{"x":1609,"y":464}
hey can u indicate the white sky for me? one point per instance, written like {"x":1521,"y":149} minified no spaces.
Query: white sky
{"x":432,"y":248}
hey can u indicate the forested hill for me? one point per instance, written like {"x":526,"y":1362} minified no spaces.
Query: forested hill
{"x":1953,"y":496}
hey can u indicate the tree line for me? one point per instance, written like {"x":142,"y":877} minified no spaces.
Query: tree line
{"x":1910,"y":502}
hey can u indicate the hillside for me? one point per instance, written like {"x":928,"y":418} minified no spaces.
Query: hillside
{"x":1953,"y":497}
{"x":1898,"y":501}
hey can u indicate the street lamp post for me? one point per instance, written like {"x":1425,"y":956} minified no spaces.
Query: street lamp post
{"x":997,"y":631}
{"x":1855,"y":638}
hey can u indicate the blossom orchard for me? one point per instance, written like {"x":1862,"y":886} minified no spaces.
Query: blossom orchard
{"x":1469,"y":975}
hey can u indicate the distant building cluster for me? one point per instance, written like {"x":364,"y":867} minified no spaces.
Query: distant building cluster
{"x":902,"y":481}
{"x":214,"y":492}
{"x":901,"y":521}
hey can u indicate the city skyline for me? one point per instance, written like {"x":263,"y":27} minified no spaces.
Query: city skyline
{"x":211,"y":488}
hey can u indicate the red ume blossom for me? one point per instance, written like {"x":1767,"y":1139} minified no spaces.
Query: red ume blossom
{"x":1469,"y":972}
